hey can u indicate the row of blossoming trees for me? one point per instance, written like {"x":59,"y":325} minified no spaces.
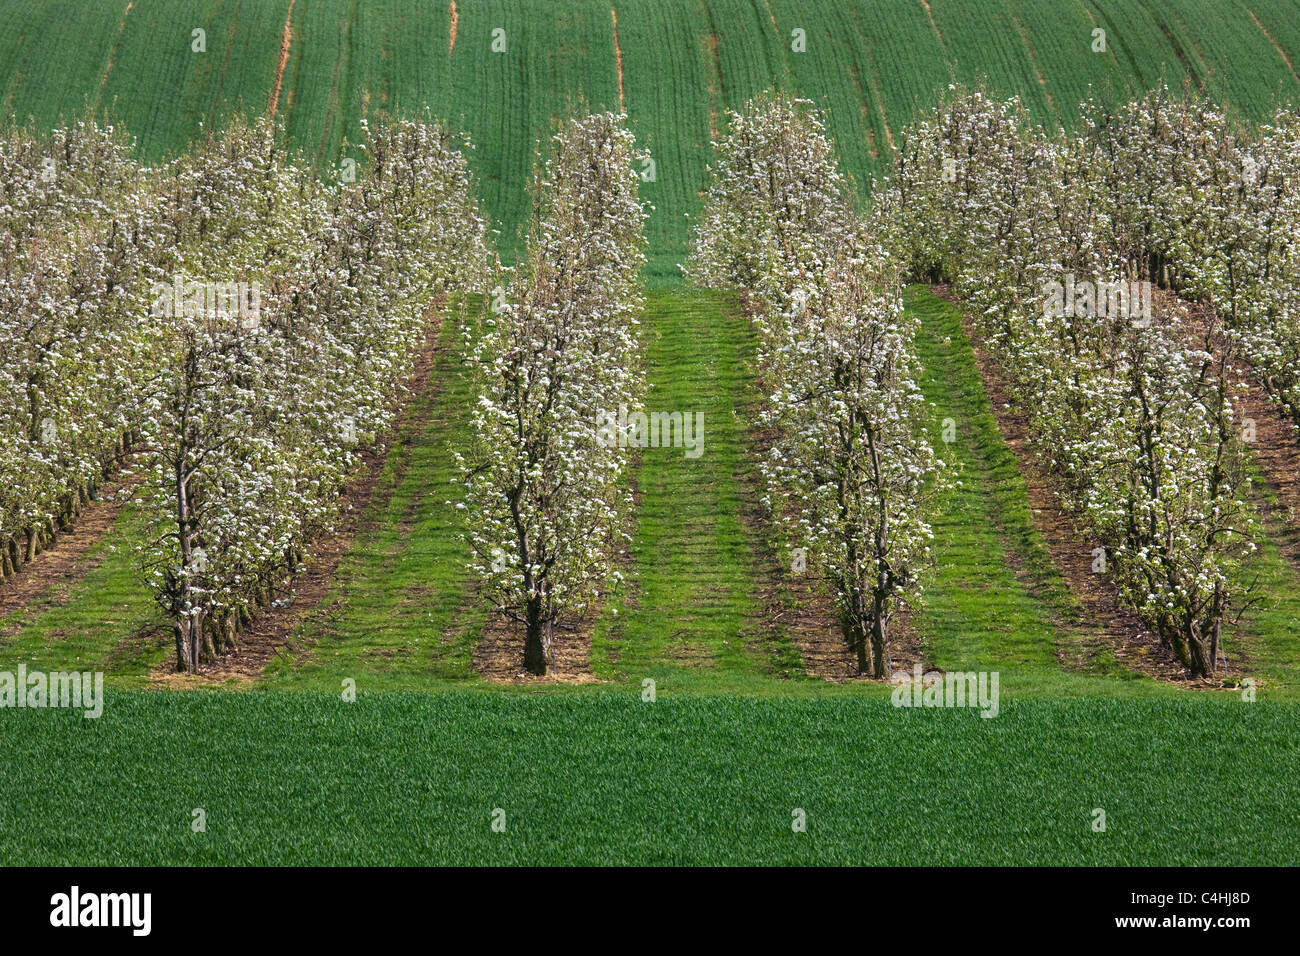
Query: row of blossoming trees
{"x":850,"y":463}
{"x":546,"y":501}
{"x":244,"y":329}
{"x":77,"y":241}
{"x":1052,"y":238}
{"x":237,"y":325}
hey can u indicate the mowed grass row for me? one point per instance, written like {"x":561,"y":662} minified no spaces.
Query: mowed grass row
{"x":101,"y":618}
{"x":607,"y":779}
{"x":402,"y":611}
{"x":976,"y":613}
{"x":872,"y":64}
{"x":697,"y":578}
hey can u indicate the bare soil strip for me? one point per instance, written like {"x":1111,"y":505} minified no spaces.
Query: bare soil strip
{"x":1104,"y":621}
{"x":1033,"y":59}
{"x":274,"y":626}
{"x":112,"y":54}
{"x":811,"y":621}
{"x":710,"y":48}
{"x":451,"y":36}
{"x":500,"y":655}
{"x":65,"y":561}
{"x":286,"y":41}
{"x":930,"y":13}
{"x":618,"y":59}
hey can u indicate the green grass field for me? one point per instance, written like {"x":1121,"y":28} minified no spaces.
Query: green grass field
{"x":871,"y":64}
{"x":741,"y":735}
{"x":601,"y":779}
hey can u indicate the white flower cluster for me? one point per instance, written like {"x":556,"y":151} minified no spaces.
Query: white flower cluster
{"x":850,"y":462}
{"x":1214,"y":212}
{"x":545,"y":501}
{"x":1134,"y":419}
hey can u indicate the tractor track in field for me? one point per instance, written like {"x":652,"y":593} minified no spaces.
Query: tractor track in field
{"x":930,"y":14}
{"x":451,"y":33}
{"x":66,"y":560}
{"x":112,"y":54}
{"x":1281,"y":51}
{"x":618,"y":61}
{"x":273,"y":627}
{"x":286,"y":43}
{"x":1102,"y":620}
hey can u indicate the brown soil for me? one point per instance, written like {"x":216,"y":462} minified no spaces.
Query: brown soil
{"x":65,"y":560}
{"x":1104,"y":622}
{"x":930,"y":13}
{"x":811,"y":622}
{"x":286,"y":40}
{"x":451,"y":37}
{"x":618,"y":59}
{"x":1281,"y":51}
{"x":274,"y":626}
{"x":112,"y":56}
{"x":500,"y":655}
{"x":710,"y":46}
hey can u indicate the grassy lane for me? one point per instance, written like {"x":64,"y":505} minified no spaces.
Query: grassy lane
{"x":402,"y":613}
{"x":104,"y":619}
{"x":597,"y":779}
{"x":977,"y":613}
{"x":698,"y":561}
{"x":1269,"y":631}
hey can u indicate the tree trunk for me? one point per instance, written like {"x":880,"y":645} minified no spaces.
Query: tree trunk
{"x":31,"y":543}
{"x":879,"y":660}
{"x":196,"y":638}
{"x":209,"y":646}
{"x":182,"y":646}
{"x":536,"y":643}
{"x":1199,"y":662}
{"x":229,"y":626}
{"x":853,"y":624}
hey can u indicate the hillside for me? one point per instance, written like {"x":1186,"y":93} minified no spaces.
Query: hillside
{"x":673,"y":65}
